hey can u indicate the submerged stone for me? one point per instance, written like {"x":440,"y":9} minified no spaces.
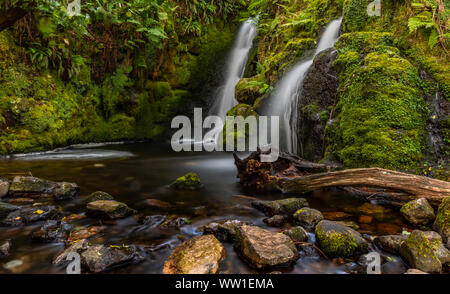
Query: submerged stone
{"x":280,"y":207}
{"x":198,"y":255}
{"x":190,"y":181}
{"x":52,"y":231}
{"x":108,"y":209}
{"x":84,"y":233}
{"x":338,"y":240}
{"x":418,"y":212}
{"x":261,"y":248}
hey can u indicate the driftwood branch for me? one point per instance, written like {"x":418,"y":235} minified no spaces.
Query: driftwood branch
{"x":291,"y":174}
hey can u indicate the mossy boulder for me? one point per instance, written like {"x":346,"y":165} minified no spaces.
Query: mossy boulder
{"x":442,"y":222}
{"x":423,"y":253}
{"x":198,"y":255}
{"x":286,"y":206}
{"x":190,"y":181}
{"x":418,"y":212}
{"x":338,"y":240}
{"x":250,"y":89}
{"x":99,"y":195}
{"x":4,"y":188}
{"x":308,"y":217}
{"x":40,"y":188}
{"x":297,"y":234}
{"x":261,"y":248}
{"x":108,"y":209}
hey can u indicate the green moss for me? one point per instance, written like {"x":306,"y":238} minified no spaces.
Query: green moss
{"x":336,"y":244}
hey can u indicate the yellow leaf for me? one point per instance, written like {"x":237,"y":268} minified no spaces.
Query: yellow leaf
{"x":38,"y":211}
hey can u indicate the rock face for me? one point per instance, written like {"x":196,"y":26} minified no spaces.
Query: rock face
{"x":39,"y":188}
{"x":224,"y":231}
{"x":108,"y":209}
{"x":6,"y":208}
{"x":4,"y":188}
{"x":101,"y":258}
{"x":425,"y":254}
{"x":308,"y":217}
{"x":280,"y":207}
{"x":275,"y":221}
{"x":190,"y":181}
{"x":261,"y":248}
{"x":198,"y":255}
{"x":99,"y":195}
{"x":52,"y":231}
{"x":442,"y":222}
{"x":390,"y":243}
{"x":297,"y":234}
{"x":318,"y":91}
{"x":338,"y":240}
{"x":27,"y":215}
{"x":418,"y":212}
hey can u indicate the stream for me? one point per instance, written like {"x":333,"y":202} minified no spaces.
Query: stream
{"x":133,"y":173}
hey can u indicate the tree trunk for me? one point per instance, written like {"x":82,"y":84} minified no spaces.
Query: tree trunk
{"x":10,"y":16}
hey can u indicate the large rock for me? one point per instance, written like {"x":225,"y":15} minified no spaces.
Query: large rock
{"x":261,"y":248}
{"x":198,"y":255}
{"x":190,"y":181}
{"x":338,"y":240}
{"x":280,"y":207}
{"x":39,"y":188}
{"x":52,"y":231}
{"x":224,"y":231}
{"x":108,"y":209}
{"x":4,"y":188}
{"x":27,"y":215}
{"x":390,"y":243}
{"x":308,"y":217}
{"x":425,"y":254}
{"x":101,"y":258}
{"x":6,"y":208}
{"x":418,"y":212}
{"x":442,"y":222}
{"x":99,"y":195}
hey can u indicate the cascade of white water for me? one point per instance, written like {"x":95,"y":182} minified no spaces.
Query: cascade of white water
{"x":284,"y":101}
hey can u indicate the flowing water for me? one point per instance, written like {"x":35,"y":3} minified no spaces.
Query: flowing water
{"x":136,"y":172}
{"x":235,"y":69}
{"x":284,"y":101}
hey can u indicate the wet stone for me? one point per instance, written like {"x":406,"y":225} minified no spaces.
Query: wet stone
{"x":52,"y":231}
{"x":99,"y":195}
{"x":27,"y":215}
{"x":4,"y":188}
{"x":308,"y":218}
{"x":390,"y":243}
{"x":285,"y":207}
{"x":275,"y":221}
{"x":6,"y":208}
{"x":108,"y":209}
{"x":32,"y":187}
{"x":225,"y":231}
{"x":418,"y":212}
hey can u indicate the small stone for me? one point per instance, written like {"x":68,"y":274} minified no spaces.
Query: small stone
{"x":52,"y":231}
{"x":261,"y":248}
{"x":77,"y":247}
{"x":297,"y":234}
{"x":280,"y":207}
{"x":84,"y":233}
{"x":338,"y":240}
{"x":308,"y":217}
{"x":173,"y":222}
{"x":275,"y":221}
{"x":101,"y":258}
{"x":224,"y":231}
{"x":418,"y":212}
{"x":99,"y":195}
{"x":5,"y":248}
{"x":198,"y":255}
{"x":4,"y":188}
{"x":27,"y":215}
{"x":442,"y":222}
{"x":190,"y":181}
{"x":108,"y":209}
{"x":6,"y":208}
{"x":336,"y":215}
{"x":390,"y":243}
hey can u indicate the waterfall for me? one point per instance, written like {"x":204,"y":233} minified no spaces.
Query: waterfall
{"x":234,"y":72}
{"x":284,"y":101}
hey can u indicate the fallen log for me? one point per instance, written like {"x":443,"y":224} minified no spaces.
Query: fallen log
{"x":291,"y":174}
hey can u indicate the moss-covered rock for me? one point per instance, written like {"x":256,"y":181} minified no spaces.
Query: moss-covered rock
{"x":421,"y":253}
{"x":338,"y":240}
{"x":39,"y":188}
{"x":225,"y":231}
{"x":99,"y":195}
{"x":286,"y":206}
{"x":418,"y":212}
{"x":308,"y":217}
{"x":198,"y":255}
{"x":442,"y":222}
{"x":190,"y":181}
{"x":297,"y":234}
